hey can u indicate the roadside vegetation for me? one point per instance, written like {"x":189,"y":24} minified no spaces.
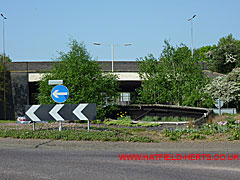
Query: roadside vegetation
{"x":84,"y":79}
{"x":174,"y":78}
{"x":7,"y":121}
{"x":228,"y":129}
{"x":5,"y":88}
{"x":223,"y":128}
{"x":176,"y":119}
{"x":126,"y":121}
{"x":147,"y":121}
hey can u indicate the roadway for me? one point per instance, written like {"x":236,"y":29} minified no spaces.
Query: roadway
{"x":44,"y":159}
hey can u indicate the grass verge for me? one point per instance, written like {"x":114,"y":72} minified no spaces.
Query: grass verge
{"x":81,"y":134}
{"x":226,"y":129}
{"x":8,"y":121}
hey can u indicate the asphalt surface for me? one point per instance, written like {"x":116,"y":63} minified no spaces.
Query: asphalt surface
{"x":44,"y":159}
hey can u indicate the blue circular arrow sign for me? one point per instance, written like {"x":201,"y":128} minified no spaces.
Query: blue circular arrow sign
{"x":60,"y":93}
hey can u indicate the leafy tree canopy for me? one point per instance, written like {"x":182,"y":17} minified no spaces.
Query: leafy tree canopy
{"x":5,"y":87}
{"x":6,"y":58}
{"x":226,"y":55}
{"x":83,"y":78}
{"x":3,"y":69}
{"x":204,"y":54}
{"x":174,"y":78}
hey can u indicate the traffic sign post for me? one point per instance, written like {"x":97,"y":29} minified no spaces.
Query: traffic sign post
{"x":60,"y":126}
{"x":219,"y":105}
{"x":59,"y":94}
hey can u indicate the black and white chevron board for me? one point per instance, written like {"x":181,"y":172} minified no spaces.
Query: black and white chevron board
{"x":60,"y":112}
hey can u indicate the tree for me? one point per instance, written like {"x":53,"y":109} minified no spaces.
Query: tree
{"x":84,"y":79}
{"x":204,"y":54}
{"x":174,"y":78}
{"x":226,"y":56}
{"x":5,"y":59}
{"x":5,"y":86}
{"x":227,"y":87}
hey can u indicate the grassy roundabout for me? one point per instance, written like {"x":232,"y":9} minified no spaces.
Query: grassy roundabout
{"x":222,"y":128}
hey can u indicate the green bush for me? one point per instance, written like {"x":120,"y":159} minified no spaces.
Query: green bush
{"x":173,"y":135}
{"x":126,"y":121}
{"x":175,"y":119}
{"x":150,"y":118}
{"x":147,"y":124}
{"x":121,"y":121}
{"x":196,"y":136}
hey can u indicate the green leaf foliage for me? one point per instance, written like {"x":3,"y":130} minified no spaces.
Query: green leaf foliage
{"x":174,"y":78}
{"x":84,"y":79}
{"x":226,"y":56}
{"x":5,"y":88}
{"x":204,"y":54}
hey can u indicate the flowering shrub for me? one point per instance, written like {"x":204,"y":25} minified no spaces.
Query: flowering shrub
{"x":220,"y":123}
{"x":222,"y":127}
{"x":227,"y":87}
{"x":237,"y":122}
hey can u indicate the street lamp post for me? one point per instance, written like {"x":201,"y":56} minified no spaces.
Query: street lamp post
{"x":192,"y":33}
{"x":112,"y":46}
{"x":4,"y":73}
{"x":112,"y":55}
{"x":3,"y":38}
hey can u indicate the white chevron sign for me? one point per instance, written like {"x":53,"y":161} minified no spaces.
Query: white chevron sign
{"x":78,"y":111}
{"x":60,"y":112}
{"x":54,"y":112}
{"x":30,"y":113}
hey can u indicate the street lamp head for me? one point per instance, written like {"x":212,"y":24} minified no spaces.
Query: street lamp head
{"x":97,"y":44}
{"x":3,"y":16}
{"x":192,"y":17}
{"x":112,"y":45}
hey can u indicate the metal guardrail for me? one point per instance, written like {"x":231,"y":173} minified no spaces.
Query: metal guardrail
{"x":138,"y":111}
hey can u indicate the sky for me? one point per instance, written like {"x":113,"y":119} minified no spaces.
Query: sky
{"x":39,"y":30}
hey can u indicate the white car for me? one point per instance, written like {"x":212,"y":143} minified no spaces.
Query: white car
{"x":23,"y":120}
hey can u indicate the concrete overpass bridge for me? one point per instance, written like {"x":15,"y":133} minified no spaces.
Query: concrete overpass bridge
{"x":26,"y":75}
